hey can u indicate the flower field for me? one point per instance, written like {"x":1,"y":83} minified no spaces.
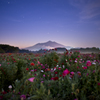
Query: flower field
{"x":50,"y":76}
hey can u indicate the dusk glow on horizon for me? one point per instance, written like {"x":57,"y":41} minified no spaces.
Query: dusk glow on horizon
{"x":74,"y":23}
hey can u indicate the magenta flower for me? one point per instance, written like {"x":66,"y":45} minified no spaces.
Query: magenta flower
{"x":87,"y":74}
{"x":59,"y":68}
{"x":23,"y":96}
{"x":88,"y":63}
{"x":31,"y":79}
{"x":93,"y":71}
{"x":75,"y":99}
{"x":35,"y":70}
{"x":32,"y":70}
{"x":44,"y":75}
{"x":52,"y":78}
{"x":84,"y":67}
{"x":99,"y":83}
{"x":72,"y":73}
{"x":0,"y":64}
{"x":65,"y":72}
{"x":42,"y":81}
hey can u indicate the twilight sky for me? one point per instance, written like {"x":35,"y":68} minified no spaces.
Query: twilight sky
{"x":73,"y":23}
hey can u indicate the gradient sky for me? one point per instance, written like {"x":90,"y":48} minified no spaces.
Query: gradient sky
{"x":73,"y":23}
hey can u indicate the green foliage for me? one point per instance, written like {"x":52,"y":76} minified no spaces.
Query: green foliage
{"x":49,"y":82}
{"x":50,"y":59}
{"x":8,"y":72}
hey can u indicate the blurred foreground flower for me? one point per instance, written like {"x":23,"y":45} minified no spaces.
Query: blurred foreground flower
{"x":27,"y":68}
{"x":99,"y":83}
{"x":88,"y":63}
{"x":65,"y":72}
{"x":31,"y":79}
{"x":1,"y":97}
{"x":32,"y":64}
{"x":10,"y":86}
{"x":23,"y":97}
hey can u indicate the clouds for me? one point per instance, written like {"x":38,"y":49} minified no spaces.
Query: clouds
{"x":91,"y":10}
{"x":88,"y":8}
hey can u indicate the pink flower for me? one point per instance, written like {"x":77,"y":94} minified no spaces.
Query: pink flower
{"x":39,"y":63}
{"x":84,"y":67}
{"x":93,"y":71}
{"x":52,"y":78}
{"x":0,"y":64}
{"x":44,"y":75}
{"x":88,"y":63}
{"x":42,"y":81}
{"x":31,"y":79}
{"x":66,"y":72}
{"x":32,"y":70}
{"x":72,"y":73}
{"x":43,"y":67}
{"x":23,"y":96}
{"x":59,"y":68}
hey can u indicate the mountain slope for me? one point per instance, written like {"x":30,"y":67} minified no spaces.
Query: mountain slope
{"x":46,"y":45}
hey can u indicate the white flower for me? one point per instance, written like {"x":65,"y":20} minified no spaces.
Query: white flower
{"x":70,"y":78}
{"x":42,"y":71}
{"x":75,"y":60}
{"x":63,"y":66}
{"x":82,"y":66}
{"x":93,"y":63}
{"x":10,"y":86}
{"x":51,"y":68}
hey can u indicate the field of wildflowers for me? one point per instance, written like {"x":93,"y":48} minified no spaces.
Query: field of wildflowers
{"x":50,"y":76}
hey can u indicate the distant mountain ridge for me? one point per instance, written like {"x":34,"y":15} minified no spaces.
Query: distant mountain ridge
{"x":45,"y":45}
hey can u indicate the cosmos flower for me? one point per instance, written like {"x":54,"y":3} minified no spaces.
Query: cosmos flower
{"x":27,"y":68}
{"x":72,"y":73}
{"x":88,"y":63}
{"x":39,"y":63}
{"x":32,"y":64}
{"x":44,"y":75}
{"x":79,"y":73}
{"x":42,"y":81}
{"x":84,"y":67}
{"x":10,"y":86}
{"x":65,"y":72}
{"x":31,"y":79}
{"x":23,"y":96}
{"x":99,"y":83}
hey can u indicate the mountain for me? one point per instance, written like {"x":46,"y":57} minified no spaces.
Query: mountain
{"x":46,"y":45}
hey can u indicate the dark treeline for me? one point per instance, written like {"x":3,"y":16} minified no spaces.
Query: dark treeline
{"x":11,"y":49}
{"x":92,"y":49}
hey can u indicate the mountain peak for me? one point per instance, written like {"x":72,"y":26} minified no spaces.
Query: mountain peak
{"x":46,"y":45}
{"x":49,"y":41}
